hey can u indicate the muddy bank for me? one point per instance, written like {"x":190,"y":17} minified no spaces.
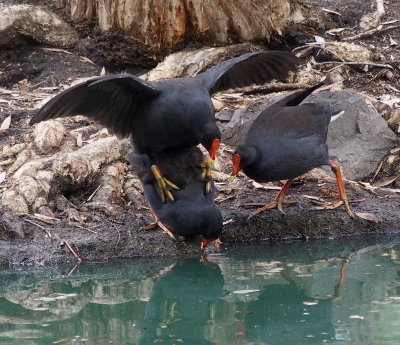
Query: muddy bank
{"x":121,"y":237}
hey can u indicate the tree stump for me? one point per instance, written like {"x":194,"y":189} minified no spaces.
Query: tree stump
{"x":168,"y":23}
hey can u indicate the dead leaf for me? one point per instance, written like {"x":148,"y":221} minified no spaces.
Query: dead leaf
{"x":315,"y":198}
{"x":384,"y":182}
{"x":228,"y":222}
{"x":397,"y":149}
{"x":367,"y":216}
{"x":330,"y":11}
{"x":319,"y":39}
{"x":57,"y":50}
{"x":267,"y":187}
{"x":335,"y":31}
{"x":3,"y":176}
{"x":392,"y":41}
{"x":390,"y":22}
{"x":85,"y":59}
{"x":6,"y":123}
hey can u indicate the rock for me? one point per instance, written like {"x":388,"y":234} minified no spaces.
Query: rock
{"x":348,"y":51}
{"x":12,"y":224}
{"x":15,"y":202}
{"x":233,"y":132}
{"x":359,"y":139}
{"x":48,"y":135}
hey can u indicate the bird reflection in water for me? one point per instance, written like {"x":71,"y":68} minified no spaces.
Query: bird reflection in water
{"x":182,"y":304}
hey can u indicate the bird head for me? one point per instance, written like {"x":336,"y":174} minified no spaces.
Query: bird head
{"x":243,"y":156}
{"x":211,"y":138}
{"x":211,"y":226}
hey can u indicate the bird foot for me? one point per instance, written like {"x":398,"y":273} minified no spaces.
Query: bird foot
{"x":149,"y":226}
{"x":162,"y":226}
{"x":335,"y":204}
{"x":217,"y":243}
{"x":269,"y":205}
{"x":164,"y":184}
{"x":207,"y":166}
{"x":156,"y":223}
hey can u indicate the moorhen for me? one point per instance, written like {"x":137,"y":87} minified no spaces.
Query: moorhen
{"x":287,"y":140}
{"x":167,"y":114}
{"x":193,"y":212}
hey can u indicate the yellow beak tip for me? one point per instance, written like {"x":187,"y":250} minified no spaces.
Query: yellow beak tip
{"x":232,"y":178}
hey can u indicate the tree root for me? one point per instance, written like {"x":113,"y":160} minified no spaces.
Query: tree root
{"x":35,"y":180}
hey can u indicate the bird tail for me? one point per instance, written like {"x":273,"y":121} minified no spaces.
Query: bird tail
{"x":296,"y":98}
{"x":336,"y":115}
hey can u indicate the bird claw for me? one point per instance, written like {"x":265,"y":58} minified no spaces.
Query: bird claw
{"x":207,"y":165}
{"x":208,"y":187}
{"x":156,"y":223}
{"x":333,"y":205}
{"x":164,"y":184}
{"x":269,"y":205}
{"x":149,"y":226}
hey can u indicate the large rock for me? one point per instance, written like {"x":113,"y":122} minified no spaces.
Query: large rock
{"x":359,"y":139}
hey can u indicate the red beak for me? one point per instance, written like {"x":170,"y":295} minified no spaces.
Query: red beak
{"x":205,"y":243}
{"x":236,"y":164}
{"x":214,"y":148}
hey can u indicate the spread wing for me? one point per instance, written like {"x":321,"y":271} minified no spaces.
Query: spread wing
{"x":248,"y":69}
{"x":110,"y":100}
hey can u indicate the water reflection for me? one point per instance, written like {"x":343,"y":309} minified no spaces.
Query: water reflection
{"x":182,"y":305}
{"x":344,"y":292}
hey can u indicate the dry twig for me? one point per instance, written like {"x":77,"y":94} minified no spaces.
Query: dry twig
{"x":371,"y":32}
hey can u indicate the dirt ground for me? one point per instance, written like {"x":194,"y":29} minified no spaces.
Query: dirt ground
{"x":30,"y":73}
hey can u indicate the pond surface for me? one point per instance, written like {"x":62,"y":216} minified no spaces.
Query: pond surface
{"x":334,"y":292}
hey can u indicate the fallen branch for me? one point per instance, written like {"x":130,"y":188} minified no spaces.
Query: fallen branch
{"x":364,"y":63}
{"x":39,"y":226}
{"x":272,"y":87}
{"x":367,"y":33}
{"x":76,"y":253}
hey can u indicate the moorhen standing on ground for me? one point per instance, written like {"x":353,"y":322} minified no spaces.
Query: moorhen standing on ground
{"x":193,"y":212}
{"x":167,"y":114}
{"x":287,"y":140}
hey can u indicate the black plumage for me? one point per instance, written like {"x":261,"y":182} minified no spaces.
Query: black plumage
{"x":193,"y":212}
{"x":173,"y":113}
{"x":287,"y":140}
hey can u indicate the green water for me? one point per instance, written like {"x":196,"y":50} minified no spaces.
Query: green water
{"x":336,"y":292}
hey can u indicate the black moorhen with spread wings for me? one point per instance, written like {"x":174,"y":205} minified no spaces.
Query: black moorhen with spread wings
{"x":193,"y":212}
{"x":167,"y":114}
{"x":287,"y":140}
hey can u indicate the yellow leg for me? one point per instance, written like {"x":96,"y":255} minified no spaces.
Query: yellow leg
{"x":164,"y":184}
{"x":208,"y":164}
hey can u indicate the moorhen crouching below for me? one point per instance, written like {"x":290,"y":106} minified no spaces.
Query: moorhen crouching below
{"x":167,"y":114}
{"x":193,"y":212}
{"x":287,"y":140}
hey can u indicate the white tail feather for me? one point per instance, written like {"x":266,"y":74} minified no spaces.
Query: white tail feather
{"x":335,"y":117}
